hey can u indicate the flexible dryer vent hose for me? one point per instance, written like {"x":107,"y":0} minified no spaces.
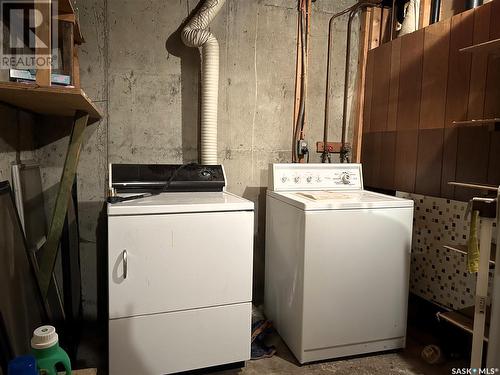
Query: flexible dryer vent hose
{"x":196,"y":34}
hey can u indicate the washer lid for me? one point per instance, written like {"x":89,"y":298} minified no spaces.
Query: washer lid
{"x":339,"y":200}
{"x":167,"y":203}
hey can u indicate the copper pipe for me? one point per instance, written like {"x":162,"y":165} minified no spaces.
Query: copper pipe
{"x":352,"y":12}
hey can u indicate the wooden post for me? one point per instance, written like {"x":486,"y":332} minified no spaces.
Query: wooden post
{"x":364,"y":44}
{"x":424,"y":14}
{"x":43,"y":47}
{"x":75,"y":79}
{"x":68,"y":43}
{"x":51,"y":246}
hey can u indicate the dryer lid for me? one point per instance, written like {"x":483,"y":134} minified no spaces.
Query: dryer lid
{"x":178,"y":202}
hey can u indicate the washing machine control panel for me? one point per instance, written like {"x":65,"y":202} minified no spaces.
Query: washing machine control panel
{"x":289,"y":177}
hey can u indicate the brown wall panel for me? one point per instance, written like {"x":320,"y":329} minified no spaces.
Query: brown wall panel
{"x":367,"y":159}
{"x":387,"y":159}
{"x":392,"y":111}
{"x":492,"y":94}
{"x":457,"y":94}
{"x":479,"y":63}
{"x":459,"y":67}
{"x":435,"y":75}
{"x":448,"y":173}
{"x":406,"y":160}
{"x":429,"y":162}
{"x":410,"y":80}
{"x":472,"y":158}
{"x":432,"y":108}
{"x":380,"y":99}
{"x":494,"y":160}
{"x":417,"y":85}
{"x":368,"y":94}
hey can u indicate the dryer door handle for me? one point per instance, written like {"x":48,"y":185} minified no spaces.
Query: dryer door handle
{"x":125,"y":264}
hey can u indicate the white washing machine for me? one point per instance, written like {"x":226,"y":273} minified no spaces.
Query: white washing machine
{"x":337,"y":262}
{"x":180,"y":270}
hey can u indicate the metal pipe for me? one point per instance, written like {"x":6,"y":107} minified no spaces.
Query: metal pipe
{"x":344,"y":151}
{"x":435,"y":11}
{"x":470,"y":4}
{"x":393,"y":18}
{"x":325,"y":155}
{"x":352,"y":12}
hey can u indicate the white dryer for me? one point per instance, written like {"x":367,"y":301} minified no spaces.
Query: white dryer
{"x":180,"y":270}
{"x":337,"y":262}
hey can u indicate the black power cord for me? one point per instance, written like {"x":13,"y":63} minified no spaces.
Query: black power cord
{"x":118,"y":199}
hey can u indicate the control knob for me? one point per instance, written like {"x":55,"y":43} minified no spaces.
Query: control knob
{"x":345,"y":178}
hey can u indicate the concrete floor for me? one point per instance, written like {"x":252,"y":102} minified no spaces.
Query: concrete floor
{"x":406,"y":362}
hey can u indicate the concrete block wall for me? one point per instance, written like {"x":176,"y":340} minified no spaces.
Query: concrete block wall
{"x":146,"y":82}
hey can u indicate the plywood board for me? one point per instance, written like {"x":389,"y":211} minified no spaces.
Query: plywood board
{"x":21,"y":308}
{"x":435,"y":75}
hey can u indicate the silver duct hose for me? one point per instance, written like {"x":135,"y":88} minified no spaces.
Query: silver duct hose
{"x":196,"y":34}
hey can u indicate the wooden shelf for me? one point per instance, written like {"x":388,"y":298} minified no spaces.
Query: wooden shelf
{"x":492,"y":123}
{"x":462,"y":249}
{"x":464,"y":319}
{"x":491,"y":46}
{"x":470,"y":185}
{"x":51,"y":100}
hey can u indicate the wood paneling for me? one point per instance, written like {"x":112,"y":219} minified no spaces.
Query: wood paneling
{"x":459,"y":67}
{"x":392,"y":112}
{"x":408,"y":113}
{"x":429,"y":162}
{"x":405,"y":163}
{"x":410,"y":81}
{"x":387,"y":159}
{"x":368,"y":93}
{"x":380,"y":101}
{"x":479,"y":63}
{"x":416,"y":86}
{"x":432,"y":108}
{"x":494,"y":160}
{"x":457,"y":94}
{"x":448,"y":170}
{"x":492,"y":92}
{"x":435,"y":75}
{"x":472,"y":159}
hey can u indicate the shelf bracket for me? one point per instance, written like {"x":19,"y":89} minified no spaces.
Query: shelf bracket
{"x":51,"y":246}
